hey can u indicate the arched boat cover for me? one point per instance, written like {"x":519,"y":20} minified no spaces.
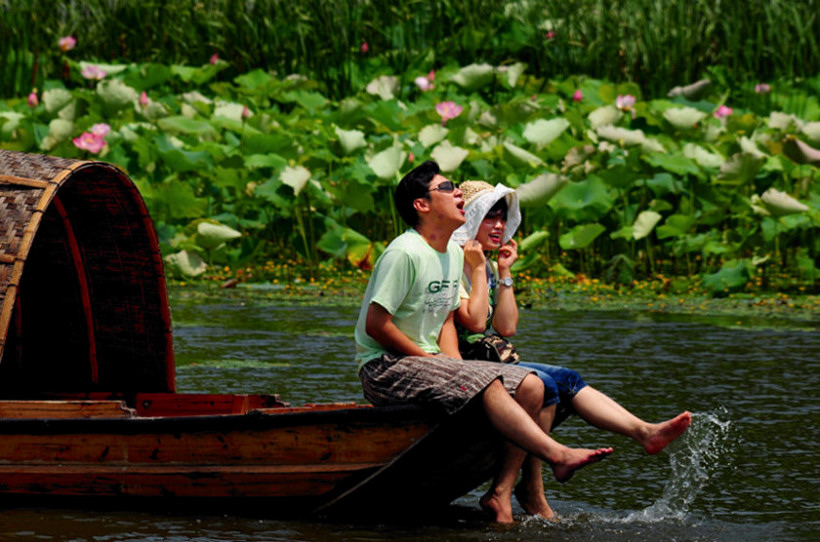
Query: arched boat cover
{"x":83,"y":302}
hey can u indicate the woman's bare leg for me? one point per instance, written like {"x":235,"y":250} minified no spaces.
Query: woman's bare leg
{"x":605,"y":413}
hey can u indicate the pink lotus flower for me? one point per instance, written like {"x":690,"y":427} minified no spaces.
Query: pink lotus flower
{"x":365,"y":47}
{"x":246,"y":113}
{"x":625,"y":102}
{"x":411,"y":157}
{"x":93,"y":72}
{"x":89,"y":142}
{"x":33,"y":101}
{"x":551,"y":34}
{"x":143,"y":99}
{"x":762,"y":88}
{"x":100,"y":130}
{"x":448,"y":110}
{"x":432,"y":75}
{"x":722,"y":112}
{"x":214,"y":59}
{"x":578,"y":96}
{"x":67,"y":43}
{"x":423,"y":83}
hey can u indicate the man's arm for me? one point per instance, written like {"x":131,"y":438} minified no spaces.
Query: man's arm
{"x":448,"y":338}
{"x":380,"y":326}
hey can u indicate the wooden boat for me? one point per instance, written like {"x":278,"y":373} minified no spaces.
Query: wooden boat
{"x":88,"y":402}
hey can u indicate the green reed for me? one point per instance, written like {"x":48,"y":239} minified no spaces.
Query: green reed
{"x":656,"y":43}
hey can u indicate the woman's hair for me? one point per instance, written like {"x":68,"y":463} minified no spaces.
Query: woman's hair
{"x":498,"y":210}
{"x":414,"y":185}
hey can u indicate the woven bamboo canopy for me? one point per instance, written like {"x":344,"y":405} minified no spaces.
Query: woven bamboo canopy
{"x":83,"y":303}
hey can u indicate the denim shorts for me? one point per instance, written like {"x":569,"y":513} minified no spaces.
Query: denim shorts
{"x":560,"y":386}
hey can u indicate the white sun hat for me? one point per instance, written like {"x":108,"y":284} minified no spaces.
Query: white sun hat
{"x":479,"y":197}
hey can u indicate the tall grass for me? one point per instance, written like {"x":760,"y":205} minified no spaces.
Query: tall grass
{"x":656,"y":43}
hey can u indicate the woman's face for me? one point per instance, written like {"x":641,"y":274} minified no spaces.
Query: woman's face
{"x":491,"y":230}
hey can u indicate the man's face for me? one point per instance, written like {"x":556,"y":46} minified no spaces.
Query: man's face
{"x":446,"y":205}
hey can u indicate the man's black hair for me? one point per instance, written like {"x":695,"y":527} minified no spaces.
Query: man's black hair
{"x":414,"y":185}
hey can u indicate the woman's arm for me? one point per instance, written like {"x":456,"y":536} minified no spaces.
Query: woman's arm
{"x":473,"y":311}
{"x":380,"y":326}
{"x":505,"y":317}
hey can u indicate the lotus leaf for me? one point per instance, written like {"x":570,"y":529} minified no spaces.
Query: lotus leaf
{"x":740,"y":168}
{"x":644,"y":224}
{"x":533,"y":241}
{"x":683,"y":118}
{"x":801,"y":152}
{"x":542,"y":132}
{"x":59,"y":130}
{"x":432,"y":134}
{"x":109,"y":69}
{"x":784,"y":122}
{"x":387,"y":163}
{"x":384,"y":87}
{"x":210,"y":235}
{"x":179,"y":199}
{"x":749,"y":146}
{"x":513,"y":72}
{"x":186,"y":263}
{"x":703,"y":157}
{"x":673,"y":163}
{"x":56,"y":98}
{"x":675,"y":226}
{"x":351,"y":140}
{"x":228,"y":110}
{"x":474,"y":76}
{"x":585,"y":200}
{"x":522,"y":156}
{"x":781,"y":204}
{"x":605,"y":116}
{"x":581,"y":236}
{"x":448,"y":156}
{"x":183,"y":125}
{"x":257,"y":161}
{"x":116,"y":94}
{"x":295,"y":177}
{"x":692,"y":91}
{"x":812,"y":131}
{"x":733,"y":275}
{"x":539,"y":191}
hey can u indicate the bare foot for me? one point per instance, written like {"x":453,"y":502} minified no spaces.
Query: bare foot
{"x":574,"y":459}
{"x":662,"y":434}
{"x":536,"y":504}
{"x":497,"y":508}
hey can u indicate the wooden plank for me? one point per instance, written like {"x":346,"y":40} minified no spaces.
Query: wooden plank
{"x":179,"y":481}
{"x":64,"y":409}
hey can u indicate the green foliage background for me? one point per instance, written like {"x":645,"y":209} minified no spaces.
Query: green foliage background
{"x":611,"y":190}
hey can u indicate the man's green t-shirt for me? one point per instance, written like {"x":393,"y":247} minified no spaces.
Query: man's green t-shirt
{"x":418,"y":286}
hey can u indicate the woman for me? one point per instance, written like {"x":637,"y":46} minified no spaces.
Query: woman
{"x":488,"y":306}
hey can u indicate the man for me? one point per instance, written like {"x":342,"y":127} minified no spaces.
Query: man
{"x":407,"y":348}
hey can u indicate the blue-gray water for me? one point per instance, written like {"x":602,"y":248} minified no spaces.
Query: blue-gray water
{"x":748,"y":468}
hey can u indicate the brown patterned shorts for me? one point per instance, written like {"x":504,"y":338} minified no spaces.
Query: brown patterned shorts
{"x":442,"y":381}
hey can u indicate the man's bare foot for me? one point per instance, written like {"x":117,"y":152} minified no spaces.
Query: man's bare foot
{"x":496,"y":507}
{"x":573,"y":459}
{"x":536,"y":504}
{"x":662,"y":434}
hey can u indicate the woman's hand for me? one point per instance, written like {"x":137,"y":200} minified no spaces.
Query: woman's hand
{"x":507,"y":255}
{"x":474,"y":255}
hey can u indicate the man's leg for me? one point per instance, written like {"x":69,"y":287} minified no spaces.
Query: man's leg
{"x":604,"y":413}
{"x":530,"y":490}
{"x":498,"y":499}
{"x":518,"y":426}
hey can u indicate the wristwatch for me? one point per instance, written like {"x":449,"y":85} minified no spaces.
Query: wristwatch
{"x":507,"y":281}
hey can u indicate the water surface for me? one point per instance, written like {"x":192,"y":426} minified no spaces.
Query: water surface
{"x":748,"y":468}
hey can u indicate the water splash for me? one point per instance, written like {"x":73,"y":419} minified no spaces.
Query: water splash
{"x":695,"y":458}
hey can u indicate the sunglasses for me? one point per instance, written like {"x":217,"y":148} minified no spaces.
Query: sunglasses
{"x":446,"y":186}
